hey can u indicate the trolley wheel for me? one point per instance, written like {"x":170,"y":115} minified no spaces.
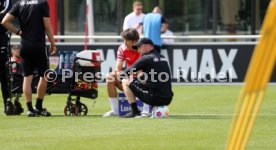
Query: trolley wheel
{"x":71,"y":110}
{"x":17,"y":107}
{"x":82,"y":109}
{"x":9,"y":108}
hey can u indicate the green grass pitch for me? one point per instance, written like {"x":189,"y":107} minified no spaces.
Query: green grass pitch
{"x":200,"y":120}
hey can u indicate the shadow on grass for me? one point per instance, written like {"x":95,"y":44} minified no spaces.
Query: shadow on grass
{"x":172,"y":116}
{"x":97,"y":116}
{"x":198,"y":116}
{"x":184,"y":116}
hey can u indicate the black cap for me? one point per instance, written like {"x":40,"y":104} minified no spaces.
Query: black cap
{"x":142,"y":41}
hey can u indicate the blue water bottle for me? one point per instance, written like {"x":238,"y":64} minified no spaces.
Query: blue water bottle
{"x":73,"y":58}
{"x":66,"y":60}
{"x":61,"y":61}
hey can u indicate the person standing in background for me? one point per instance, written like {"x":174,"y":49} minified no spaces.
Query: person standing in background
{"x":134,"y":19}
{"x":166,"y":32}
{"x":152,"y":24}
{"x":5,"y":6}
{"x":165,"y":28}
{"x":34,"y":19}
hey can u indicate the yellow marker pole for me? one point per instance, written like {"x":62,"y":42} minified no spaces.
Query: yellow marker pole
{"x":257,"y":77}
{"x":259,"y":83}
{"x":249,"y":80}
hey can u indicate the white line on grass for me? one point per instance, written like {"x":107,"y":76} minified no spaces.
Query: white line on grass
{"x":221,"y":115}
{"x":216,"y":114}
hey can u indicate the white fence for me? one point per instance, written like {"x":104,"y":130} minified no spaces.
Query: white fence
{"x":80,"y":39}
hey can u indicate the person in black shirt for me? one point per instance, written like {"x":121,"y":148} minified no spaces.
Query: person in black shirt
{"x":34,"y":19}
{"x":153,"y":83}
{"x":4,"y":8}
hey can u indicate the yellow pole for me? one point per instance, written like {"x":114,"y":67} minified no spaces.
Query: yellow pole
{"x":257,"y":77}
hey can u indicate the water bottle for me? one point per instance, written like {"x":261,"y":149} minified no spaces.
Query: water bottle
{"x":61,"y":61}
{"x":66,"y":60}
{"x":71,"y":59}
{"x":74,"y":55}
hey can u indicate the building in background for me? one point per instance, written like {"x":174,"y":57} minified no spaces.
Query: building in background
{"x":186,"y":17}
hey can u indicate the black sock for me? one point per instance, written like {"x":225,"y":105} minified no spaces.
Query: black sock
{"x":134,"y":108}
{"x":38,"y":104}
{"x":30,"y":106}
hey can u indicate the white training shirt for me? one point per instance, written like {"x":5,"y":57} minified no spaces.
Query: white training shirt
{"x":167,"y":33}
{"x":131,"y":20}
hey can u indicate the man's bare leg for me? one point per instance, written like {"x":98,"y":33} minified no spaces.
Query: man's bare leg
{"x":27,"y":88}
{"x":27,"y":91}
{"x":112,"y":84}
{"x":41,"y":91}
{"x":129,"y":94}
{"x":131,"y":99}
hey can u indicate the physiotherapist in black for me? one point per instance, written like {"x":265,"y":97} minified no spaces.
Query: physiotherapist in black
{"x":5,"y":6}
{"x":34,"y":20}
{"x":153,"y":86}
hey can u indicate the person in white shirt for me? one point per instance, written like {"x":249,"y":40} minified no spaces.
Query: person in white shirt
{"x":134,"y":19}
{"x":166,"y":32}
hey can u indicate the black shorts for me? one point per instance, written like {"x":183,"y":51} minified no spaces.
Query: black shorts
{"x":3,"y":61}
{"x":144,"y":94}
{"x":34,"y":55}
{"x":4,"y":72}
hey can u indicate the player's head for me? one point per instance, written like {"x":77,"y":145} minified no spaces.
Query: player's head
{"x":137,"y":7}
{"x":130,"y":36}
{"x":164,"y":27}
{"x":144,"y":45}
{"x":157,"y":10}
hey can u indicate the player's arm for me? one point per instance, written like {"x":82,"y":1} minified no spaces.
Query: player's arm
{"x":119,"y":68}
{"x":47,"y":26}
{"x":7,"y":23}
{"x":50,"y":34}
{"x":137,"y":66}
{"x":119,"y":65}
{"x":138,"y":25}
{"x":120,"y":59}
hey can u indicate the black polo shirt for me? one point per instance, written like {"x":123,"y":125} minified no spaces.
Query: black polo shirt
{"x":5,"y":7}
{"x":30,"y":14}
{"x":3,"y":30}
{"x":157,"y":74}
